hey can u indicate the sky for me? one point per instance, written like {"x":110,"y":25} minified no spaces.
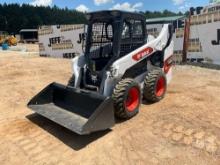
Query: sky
{"x":128,"y":5}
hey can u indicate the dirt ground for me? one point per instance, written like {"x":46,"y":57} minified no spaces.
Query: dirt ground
{"x":183,"y":129}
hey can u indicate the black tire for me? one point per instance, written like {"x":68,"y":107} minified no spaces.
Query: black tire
{"x":71,"y":81}
{"x":126,"y":106}
{"x":155,"y":86}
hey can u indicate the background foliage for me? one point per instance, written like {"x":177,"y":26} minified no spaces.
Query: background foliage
{"x":14,"y":17}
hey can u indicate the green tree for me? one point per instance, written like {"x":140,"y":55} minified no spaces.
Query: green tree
{"x":14,"y":17}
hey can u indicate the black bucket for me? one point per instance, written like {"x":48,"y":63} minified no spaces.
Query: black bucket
{"x":79,"y":110}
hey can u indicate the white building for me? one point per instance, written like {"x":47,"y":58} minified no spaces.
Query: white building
{"x":204,"y":38}
{"x":205,"y":33}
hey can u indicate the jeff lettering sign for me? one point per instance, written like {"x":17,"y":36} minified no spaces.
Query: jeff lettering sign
{"x":63,"y":41}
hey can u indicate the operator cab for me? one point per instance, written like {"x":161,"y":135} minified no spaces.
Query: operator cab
{"x":111,"y":35}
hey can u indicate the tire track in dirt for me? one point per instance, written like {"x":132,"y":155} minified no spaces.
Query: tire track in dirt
{"x":36,"y":144}
{"x":188,"y":136}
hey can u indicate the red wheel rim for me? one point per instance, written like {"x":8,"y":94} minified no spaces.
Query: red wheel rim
{"x":160,"y":88}
{"x":132,"y":101}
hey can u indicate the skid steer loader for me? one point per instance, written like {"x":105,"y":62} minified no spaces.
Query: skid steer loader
{"x":121,"y":64}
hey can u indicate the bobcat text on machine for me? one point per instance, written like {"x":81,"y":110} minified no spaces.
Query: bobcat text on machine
{"x":120,"y":64}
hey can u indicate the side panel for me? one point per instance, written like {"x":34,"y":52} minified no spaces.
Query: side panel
{"x":141,"y":53}
{"x":168,"y":61}
{"x":77,"y":64}
{"x":110,"y":83}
